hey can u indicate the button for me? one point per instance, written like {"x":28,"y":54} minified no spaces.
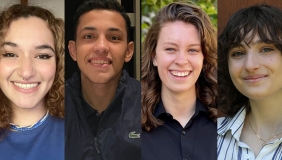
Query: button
{"x":248,"y":156}
{"x":183,"y":133}
{"x":98,"y":114}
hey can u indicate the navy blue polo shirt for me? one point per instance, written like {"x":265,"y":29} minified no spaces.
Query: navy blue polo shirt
{"x":196,"y":141}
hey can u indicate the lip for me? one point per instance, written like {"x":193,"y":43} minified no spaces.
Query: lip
{"x":255,"y":78}
{"x":183,"y":74}
{"x":100,"y":61}
{"x":25,"y":91}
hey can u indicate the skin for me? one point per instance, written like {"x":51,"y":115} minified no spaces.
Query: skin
{"x":28,"y":60}
{"x":179,"y":60}
{"x":100,"y":50}
{"x":256,"y":72}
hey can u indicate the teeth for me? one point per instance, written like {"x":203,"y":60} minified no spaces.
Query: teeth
{"x":180,"y":74}
{"x":26,"y":86}
{"x":100,"y":62}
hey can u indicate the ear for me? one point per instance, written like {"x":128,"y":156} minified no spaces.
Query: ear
{"x":129,"y":51}
{"x":155,"y":61}
{"x":72,"y":50}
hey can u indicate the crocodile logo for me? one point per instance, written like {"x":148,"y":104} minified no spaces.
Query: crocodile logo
{"x":134,"y":135}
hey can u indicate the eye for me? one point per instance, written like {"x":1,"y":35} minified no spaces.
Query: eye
{"x":114,"y":38}
{"x":9,"y":55}
{"x":43,"y":56}
{"x":170,"y":49}
{"x":237,"y":54}
{"x":88,"y":36}
{"x":266,"y":49}
{"x":193,"y":50}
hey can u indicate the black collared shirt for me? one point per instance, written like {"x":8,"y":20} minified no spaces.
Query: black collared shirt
{"x":92,"y":116}
{"x":196,"y":141}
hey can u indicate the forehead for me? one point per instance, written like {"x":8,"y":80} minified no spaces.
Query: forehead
{"x":31,"y":30}
{"x":179,"y":31}
{"x":102,"y":20}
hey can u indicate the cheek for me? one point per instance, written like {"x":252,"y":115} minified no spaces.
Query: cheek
{"x":7,"y":69}
{"x":196,"y":61}
{"x":48,"y":71}
{"x":164,"y":60}
{"x":234,"y":71}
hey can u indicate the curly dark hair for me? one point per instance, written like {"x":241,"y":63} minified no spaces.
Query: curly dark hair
{"x":261,"y":20}
{"x":55,"y":96}
{"x":206,"y":85}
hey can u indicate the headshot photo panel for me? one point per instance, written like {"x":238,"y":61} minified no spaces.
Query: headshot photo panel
{"x":32,"y":107}
{"x":179,"y":81}
{"x":103,"y":89}
{"x":249,"y":80}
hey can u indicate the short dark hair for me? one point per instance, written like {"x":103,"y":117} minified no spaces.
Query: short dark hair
{"x":263,"y":21}
{"x":111,"y":5}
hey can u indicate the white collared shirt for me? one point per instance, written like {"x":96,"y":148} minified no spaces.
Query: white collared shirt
{"x":229,"y":146}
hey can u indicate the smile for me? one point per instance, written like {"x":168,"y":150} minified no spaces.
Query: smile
{"x":254,"y":78}
{"x":180,"y":73}
{"x":26,"y":86}
{"x":100,"y":62}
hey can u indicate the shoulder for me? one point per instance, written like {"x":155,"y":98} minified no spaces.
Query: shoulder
{"x":130,"y":82}
{"x":231,"y":123}
{"x":55,"y":121}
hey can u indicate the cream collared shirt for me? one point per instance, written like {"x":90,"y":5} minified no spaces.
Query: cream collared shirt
{"x":229,"y":146}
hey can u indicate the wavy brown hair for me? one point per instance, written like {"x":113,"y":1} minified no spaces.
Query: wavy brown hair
{"x":262,"y":20}
{"x":206,"y":85}
{"x":55,"y":96}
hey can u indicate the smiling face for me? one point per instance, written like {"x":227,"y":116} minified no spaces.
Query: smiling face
{"x":27,"y":64}
{"x":101,"y":46}
{"x":256,"y":69}
{"x":179,"y":56}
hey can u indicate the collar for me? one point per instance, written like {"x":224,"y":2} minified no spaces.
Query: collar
{"x":161,"y":113}
{"x":88,"y":110}
{"x":234,"y":124}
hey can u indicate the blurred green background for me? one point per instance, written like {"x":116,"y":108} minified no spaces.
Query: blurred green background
{"x":151,"y":7}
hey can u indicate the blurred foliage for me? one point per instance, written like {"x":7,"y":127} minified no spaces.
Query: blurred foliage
{"x":151,"y":7}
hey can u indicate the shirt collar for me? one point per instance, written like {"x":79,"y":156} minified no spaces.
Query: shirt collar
{"x":234,"y":124}
{"x":161,"y":113}
{"x":88,"y":110}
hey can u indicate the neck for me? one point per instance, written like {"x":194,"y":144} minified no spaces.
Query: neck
{"x":180,"y":105}
{"x":27,"y":116}
{"x":265,"y":115}
{"x":99,"y":96}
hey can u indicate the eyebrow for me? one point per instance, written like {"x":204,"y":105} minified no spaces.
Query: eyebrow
{"x":94,"y":29}
{"x":44,"y":46}
{"x":10,"y":44}
{"x":171,"y":43}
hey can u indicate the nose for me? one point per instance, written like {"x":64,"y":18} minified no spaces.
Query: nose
{"x":252,"y":62}
{"x":26,"y":68}
{"x":181,"y":58}
{"x":101,"y":45}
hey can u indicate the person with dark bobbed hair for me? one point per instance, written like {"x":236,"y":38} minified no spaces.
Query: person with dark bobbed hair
{"x":32,"y":84}
{"x":179,"y":85}
{"x":250,"y":85}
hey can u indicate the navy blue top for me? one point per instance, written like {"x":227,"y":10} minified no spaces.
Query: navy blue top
{"x":196,"y":141}
{"x":45,"y":142}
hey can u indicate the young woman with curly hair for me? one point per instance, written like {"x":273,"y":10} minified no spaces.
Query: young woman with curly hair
{"x":250,"y":85}
{"x":32,"y":84}
{"x":179,"y":85}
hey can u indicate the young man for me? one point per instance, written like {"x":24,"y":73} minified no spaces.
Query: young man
{"x":102,"y":101}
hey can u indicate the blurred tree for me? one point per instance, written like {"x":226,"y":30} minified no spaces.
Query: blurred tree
{"x":151,"y":7}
